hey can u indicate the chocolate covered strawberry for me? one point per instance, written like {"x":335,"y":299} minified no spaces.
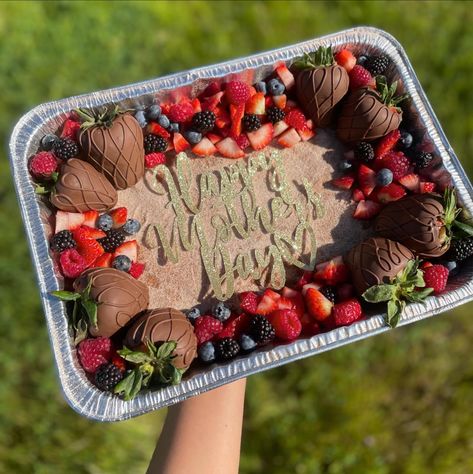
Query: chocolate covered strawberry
{"x":113,"y":143}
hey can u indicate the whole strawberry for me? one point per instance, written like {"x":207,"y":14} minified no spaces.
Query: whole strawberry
{"x":436,"y":277}
{"x":43,"y":165}
{"x":206,"y":327}
{"x":93,"y":353}
{"x":286,"y":324}
{"x":347,"y":312}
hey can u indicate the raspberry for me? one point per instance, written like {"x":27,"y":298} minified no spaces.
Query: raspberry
{"x":242,"y":141}
{"x":295,"y":118}
{"x":206,"y":327}
{"x":154,"y":159}
{"x":107,"y":376}
{"x":43,"y":165}
{"x":72,"y":263}
{"x":249,"y":302}
{"x":397,"y":162}
{"x":347,"y":312}
{"x":136,"y":269}
{"x":93,"y":353}
{"x":286,"y":324}
{"x":181,"y":113}
{"x":387,"y":143}
{"x":436,"y":277}
{"x":237,"y":92}
{"x":360,"y":77}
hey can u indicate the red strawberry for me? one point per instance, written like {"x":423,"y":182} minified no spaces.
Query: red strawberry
{"x":154,"y":159}
{"x":89,"y":249}
{"x":306,"y":134}
{"x":289,"y":138}
{"x":391,"y":192}
{"x":332,"y":272}
{"x":284,"y":303}
{"x":426,"y":187}
{"x":256,"y":104}
{"x":295,"y":118}
{"x":211,"y":89}
{"x":249,"y":302}
{"x":181,"y":112}
{"x":93,"y":353}
{"x":85,"y":232}
{"x":68,"y":221}
{"x":204,"y":148}
{"x":286,"y":76}
{"x":165,"y":108}
{"x":279,"y":127}
{"x":309,"y":326}
{"x":366,"y":210}
{"x":280,"y":101}
{"x":345,"y":291}
{"x":366,"y":179}
{"x":229,"y":148}
{"x":261,"y":137}
{"x":119,"y":216}
{"x":119,"y":362}
{"x":318,"y":306}
{"x":196,"y":105}
{"x":90,"y":218}
{"x":235,"y":326}
{"x":411,"y":182}
{"x":236,"y":115}
{"x":136,"y":269}
{"x":346,"y":59}
{"x":345,"y":182}
{"x":206,"y":327}
{"x":105,"y":260}
{"x":213,"y":137}
{"x":305,"y":278}
{"x":130,"y":249}
{"x":212,"y":102}
{"x":223,"y":119}
{"x":395,"y":161}
{"x":308,"y":286}
{"x":290,"y":104}
{"x":70,"y":129}
{"x":436,"y":277}
{"x":180,"y":143}
{"x":243,"y":141}
{"x":358,"y":195}
{"x":361,"y":77}
{"x":43,"y":165}
{"x":237,"y":92}
{"x":268,"y":302}
{"x":387,"y":143}
{"x":156,"y":129}
{"x":286,"y":324}
{"x":72,"y":263}
{"x":296,"y":299}
{"x":347,"y":312}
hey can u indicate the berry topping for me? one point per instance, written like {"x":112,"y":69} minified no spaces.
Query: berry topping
{"x":411,"y":182}
{"x":154,"y":143}
{"x":377,"y":64}
{"x":364,"y":152}
{"x":397,"y":162}
{"x":112,"y":240}
{"x":461,"y":249}
{"x":72,"y":263}
{"x":346,"y":59}
{"x":261,"y":87}
{"x":119,"y":216}
{"x":179,"y":143}
{"x":249,"y":302}
{"x":93,"y":353}
{"x":221,"y":312}
{"x":360,"y":77}
{"x":345,"y":182}
{"x":256,"y":104}
{"x":276,"y":87}
{"x":206,"y":327}
{"x":43,"y":165}
{"x":389,"y":193}
{"x":268,"y":302}
{"x":243,"y":141}
{"x":122,"y":263}
{"x":226,"y":349}
{"x":63,"y":240}
{"x":105,"y":222}
{"x":384,"y":177}
{"x":48,"y":141}
{"x":295,"y":118}
{"x":107,"y":376}
{"x":289,"y":138}
{"x":154,"y":159}
{"x":387,"y":143}
{"x":366,"y":210}
{"x":206,"y":352}
{"x":136,"y":269}
{"x":347,"y":312}
{"x":422,"y":159}
{"x":104,"y":260}
{"x":65,"y":148}
{"x":426,"y":187}
{"x":332,"y":272}
{"x":286,"y":76}
{"x":203,"y":122}
{"x":287,"y":325}
{"x":251,"y":122}
{"x":237,"y":92}
{"x":70,"y":129}
{"x":436,"y":277}
{"x":131,"y":226}
{"x":130,"y":249}
{"x":261,"y":330}
{"x":164,"y":122}
{"x":204,"y":148}
{"x":181,"y":113}
{"x":275,"y":114}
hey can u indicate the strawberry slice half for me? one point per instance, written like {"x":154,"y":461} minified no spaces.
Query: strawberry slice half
{"x":90,"y":218}
{"x":366,"y":210}
{"x":180,"y":143}
{"x":119,"y":216}
{"x":261,"y":137}
{"x":387,"y":143}
{"x":256,"y":104}
{"x":289,"y":138}
{"x":345,"y":182}
{"x":268,"y":302}
{"x":105,"y":260}
{"x":156,"y":129}
{"x":318,"y":306}
{"x":68,"y":221}
{"x":130,"y":249}
{"x":204,"y":148}
{"x":229,"y":148}
{"x":389,"y":193}
{"x":411,"y":182}
{"x":286,"y":76}
{"x":332,"y":272}
{"x":236,"y":115}
{"x":280,"y":101}
{"x":366,"y":179}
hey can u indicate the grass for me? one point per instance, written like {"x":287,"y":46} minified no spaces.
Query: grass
{"x":390,"y":404}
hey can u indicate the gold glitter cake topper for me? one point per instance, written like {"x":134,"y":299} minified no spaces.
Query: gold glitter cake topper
{"x":222,"y":210}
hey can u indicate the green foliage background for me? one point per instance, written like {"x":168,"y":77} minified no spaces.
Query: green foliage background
{"x":397,"y":403}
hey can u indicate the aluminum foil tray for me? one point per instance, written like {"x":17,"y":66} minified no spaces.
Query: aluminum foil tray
{"x":79,"y":392}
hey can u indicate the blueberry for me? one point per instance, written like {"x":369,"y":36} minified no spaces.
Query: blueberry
{"x":361,"y":60}
{"x":153,"y":112}
{"x":384,"y":177}
{"x":141,"y":119}
{"x":163,"y":121}
{"x":247,"y":343}
{"x":105,"y":222}
{"x":131,"y":227}
{"x":276,"y":87}
{"x":193,"y":314}
{"x":173,"y":127}
{"x":406,"y":140}
{"x":207,"y":352}
{"x":48,"y":141}
{"x":451,"y":265}
{"x":345,"y":165}
{"x":193,"y":137}
{"x":261,"y":87}
{"x":122,"y":262}
{"x":221,"y":312}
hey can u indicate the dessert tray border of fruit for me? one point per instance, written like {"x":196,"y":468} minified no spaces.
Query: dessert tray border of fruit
{"x":93,"y":403}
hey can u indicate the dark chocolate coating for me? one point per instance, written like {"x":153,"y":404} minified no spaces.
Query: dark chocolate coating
{"x":364,"y":117}
{"x":81,"y":188}
{"x":416,"y":222}
{"x":120,"y":298}
{"x":375,"y":261}
{"x":319,"y":90}
{"x":163,"y":325}
{"x":117,"y":152}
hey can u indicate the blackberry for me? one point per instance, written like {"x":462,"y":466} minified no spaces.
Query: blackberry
{"x":107,"y":376}
{"x":377,"y":64}
{"x":113,"y":239}
{"x":422,"y":160}
{"x":251,"y":122}
{"x":65,"y":148}
{"x":155,"y":143}
{"x":461,"y":249}
{"x":275,"y":114}
{"x":261,"y":330}
{"x":330,"y":293}
{"x":364,"y":152}
{"x":226,"y":349}
{"x":203,"y":122}
{"x":63,"y":240}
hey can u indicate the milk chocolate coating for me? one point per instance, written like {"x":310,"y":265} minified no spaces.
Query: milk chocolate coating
{"x":365,"y":117}
{"x":117,"y":152}
{"x":319,"y":90}
{"x":375,"y":261}
{"x":81,"y":188}
{"x":163,"y":325}
{"x":120,"y":298}
{"x":416,"y":222}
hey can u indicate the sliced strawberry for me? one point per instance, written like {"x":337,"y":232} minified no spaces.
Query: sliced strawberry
{"x":236,"y":115}
{"x":243,"y":141}
{"x":68,"y":220}
{"x":389,"y":193}
{"x":90,"y":218}
{"x":249,"y":302}
{"x":290,"y":104}
{"x":366,"y":179}
{"x":332,"y":272}
{"x":304,"y":279}
{"x":261,"y":137}
{"x":284,"y":303}
{"x":229,"y":148}
{"x":267,"y":304}
{"x":286,"y":76}
{"x":358,"y":195}
{"x":256,"y":104}
{"x":223,"y":118}
{"x":346,"y":59}
{"x":289,"y":292}
{"x":70,"y":129}
{"x":306,"y":134}
{"x":89,"y":249}
{"x":426,"y":187}
{"x":387,"y":143}
{"x":204,"y":148}
{"x":309,"y":124}
{"x":180,"y":143}
{"x":85,"y":232}
{"x":345,"y":182}
{"x":366,"y":210}
{"x":130,"y":249}
{"x":136,"y":269}
{"x":253,"y":91}
{"x":156,"y":129}
{"x":289,"y":138}
{"x":211,"y":102}
{"x":212,"y":89}
{"x":411,"y":182}
{"x":308,"y":286}
{"x":119,"y":216}
{"x":279,"y":127}
{"x":196,"y":105}
{"x":165,"y":108}
{"x":213,"y":137}
{"x":105,"y":260}
{"x":280,"y":101}
{"x":297,"y":300}
{"x":318,"y":306}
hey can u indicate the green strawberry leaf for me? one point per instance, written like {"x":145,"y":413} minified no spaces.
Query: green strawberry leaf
{"x":90,"y":307}
{"x":125,"y":386}
{"x":80,"y":330}
{"x":136,"y":386}
{"x":379,"y":293}
{"x":466,"y":229}
{"x":166,"y":349}
{"x":135,"y":357}
{"x":66,"y":295}
{"x":395,"y":309}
